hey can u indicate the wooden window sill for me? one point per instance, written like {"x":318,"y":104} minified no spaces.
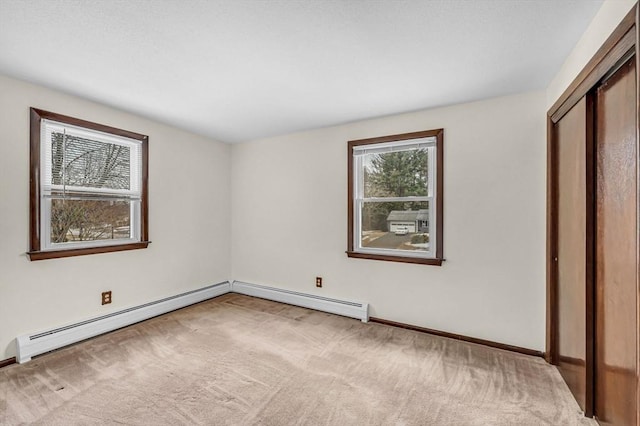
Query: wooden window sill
{"x":54,"y":254}
{"x":391,"y":258}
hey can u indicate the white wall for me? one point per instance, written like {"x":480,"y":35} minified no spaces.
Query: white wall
{"x":289,"y":203}
{"x":189,"y":222}
{"x":288,"y":198}
{"x":601,"y":27}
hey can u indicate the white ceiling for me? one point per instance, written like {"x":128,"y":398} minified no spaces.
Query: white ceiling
{"x":239,"y":70}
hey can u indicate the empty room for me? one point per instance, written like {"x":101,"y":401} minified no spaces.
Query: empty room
{"x":319,"y":212}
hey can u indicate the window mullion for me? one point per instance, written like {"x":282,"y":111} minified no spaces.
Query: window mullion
{"x":397,"y":199}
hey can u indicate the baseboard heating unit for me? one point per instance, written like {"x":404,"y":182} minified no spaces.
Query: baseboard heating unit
{"x":340,"y":307}
{"x":36,"y":344}
{"x":31,"y":345}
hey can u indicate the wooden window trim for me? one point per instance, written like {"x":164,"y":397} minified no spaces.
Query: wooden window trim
{"x":35,"y":252}
{"x":439,"y":258}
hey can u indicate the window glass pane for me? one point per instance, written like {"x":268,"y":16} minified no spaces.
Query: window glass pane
{"x":89,"y":220}
{"x":397,"y":225}
{"x":396,"y":174}
{"x":88,"y":163}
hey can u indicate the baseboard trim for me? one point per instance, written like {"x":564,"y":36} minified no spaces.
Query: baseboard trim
{"x":30,"y":345}
{"x":7,"y":362}
{"x":461,"y":337}
{"x":334,"y":306}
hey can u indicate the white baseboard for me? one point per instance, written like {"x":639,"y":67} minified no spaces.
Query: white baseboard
{"x":341,"y":307}
{"x":30,"y":345}
{"x":39,"y":343}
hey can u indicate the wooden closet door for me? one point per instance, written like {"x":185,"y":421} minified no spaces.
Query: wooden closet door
{"x":616,"y":207}
{"x":571,"y":329}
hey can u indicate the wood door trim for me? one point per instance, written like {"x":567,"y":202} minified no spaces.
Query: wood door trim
{"x":551,"y":355}
{"x":637,"y":50}
{"x":590,"y":255}
{"x":622,"y":39}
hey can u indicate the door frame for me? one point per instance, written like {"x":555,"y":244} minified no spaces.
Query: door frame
{"x":622,"y":40}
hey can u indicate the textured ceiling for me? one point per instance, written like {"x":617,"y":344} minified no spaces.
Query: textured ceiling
{"x":239,"y":70}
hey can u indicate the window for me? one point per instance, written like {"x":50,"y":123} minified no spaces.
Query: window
{"x":395,"y":198}
{"x":88,"y":187}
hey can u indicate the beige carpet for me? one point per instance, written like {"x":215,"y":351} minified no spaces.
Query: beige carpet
{"x":237,"y":360}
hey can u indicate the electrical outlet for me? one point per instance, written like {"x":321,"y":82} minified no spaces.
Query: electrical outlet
{"x":106,"y":297}
{"x":318,"y":281}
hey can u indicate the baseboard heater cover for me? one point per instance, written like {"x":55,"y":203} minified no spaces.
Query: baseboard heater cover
{"x":334,"y":306}
{"x":35,"y":344}
{"x":31,"y":345}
